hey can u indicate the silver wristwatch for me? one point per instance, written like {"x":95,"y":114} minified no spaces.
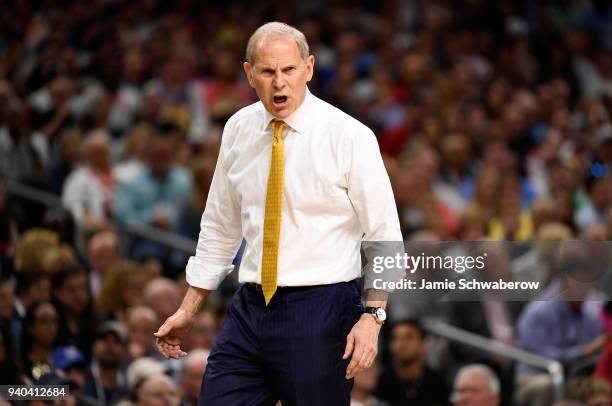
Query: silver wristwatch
{"x":380,"y":315}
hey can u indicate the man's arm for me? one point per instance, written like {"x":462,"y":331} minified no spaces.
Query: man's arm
{"x":220,"y":237}
{"x":171,"y":333}
{"x":369,"y":190}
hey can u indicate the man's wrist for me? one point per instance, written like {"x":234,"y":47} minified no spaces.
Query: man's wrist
{"x":371,"y":319}
{"x":193,"y":301}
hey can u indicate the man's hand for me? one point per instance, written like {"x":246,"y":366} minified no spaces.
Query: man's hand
{"x":171,"y":333}
{"x":362,"y":342}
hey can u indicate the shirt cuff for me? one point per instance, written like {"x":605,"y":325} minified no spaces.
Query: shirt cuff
{"x":206,"y":276}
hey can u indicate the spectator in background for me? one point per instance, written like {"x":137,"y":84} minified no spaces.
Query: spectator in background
{"x":137,"y":372}
{"x":32,"y":248}
{"x":141,"y":323}
{"x":410,"y":380}
{"x":40,"y":329}
{"x":106,"y":378}
{"x":202,"y":171}
{"x":70,"y":362}
{"x":194,"y":367}
{"x":224,"y":92}
{"x":364,"y":387}
{"x":77,"y":318}
{"x":476,"y":385}
{"x":127,"y":100}
{"x":174,"y":97}
{"x":23,"y":155}
{"x":163,"y":296}
{"x":88,"y":192}
{"x":32,"y":287}
{"x":136,"y":154}
{"x":157,"y":390}
{"x":563,"y":324}
{"x":123,"y":287}
{"x":595,"y":210}
{"x":157,"y":195}
{"x":66,"y":159}
{"x":104,"y":254}
{"x":53,"y":106}
{"x":537,"y":264}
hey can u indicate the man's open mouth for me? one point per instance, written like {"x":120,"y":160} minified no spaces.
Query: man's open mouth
{"x":280,"y":99}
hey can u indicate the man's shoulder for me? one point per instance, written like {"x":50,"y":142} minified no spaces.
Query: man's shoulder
{"x":340,"y":122}
{"x":248,"y":113}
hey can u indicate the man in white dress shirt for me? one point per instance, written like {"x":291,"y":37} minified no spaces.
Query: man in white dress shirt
{"x":304,"y":184}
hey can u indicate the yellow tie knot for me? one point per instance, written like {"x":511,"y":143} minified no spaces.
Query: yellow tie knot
{"x":278,"y":130}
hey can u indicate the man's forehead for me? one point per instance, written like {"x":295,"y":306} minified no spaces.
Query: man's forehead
{"x":267,"y":46}
{"x":472,"y":378}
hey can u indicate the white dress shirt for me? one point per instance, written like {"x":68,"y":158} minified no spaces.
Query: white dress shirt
{"x":336,"y":194}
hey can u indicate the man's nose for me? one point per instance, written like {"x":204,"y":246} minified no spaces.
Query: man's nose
{"x":279,"y":81}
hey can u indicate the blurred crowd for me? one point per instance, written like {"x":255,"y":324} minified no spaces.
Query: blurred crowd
{"x":493,"y":117}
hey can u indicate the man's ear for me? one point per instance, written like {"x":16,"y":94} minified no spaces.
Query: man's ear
{"x":249,"y":73}
{"x":310,"y":66}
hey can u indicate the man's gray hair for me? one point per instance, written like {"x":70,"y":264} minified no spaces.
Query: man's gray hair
{"x":276,"y":29}
{"x":482,"y":369}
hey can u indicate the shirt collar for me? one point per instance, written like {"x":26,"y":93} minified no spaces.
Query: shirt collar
{"x":299,"y":118}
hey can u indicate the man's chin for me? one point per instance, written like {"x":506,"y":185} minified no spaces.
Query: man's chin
{"x":280,"y":112}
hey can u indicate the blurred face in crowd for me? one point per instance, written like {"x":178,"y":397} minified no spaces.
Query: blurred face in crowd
{"x":73,"y":294}
{"x":133,"y":288}
{"x":97,"y":152}
{"x":141,"y":323}
{"x":163,"y":296}
{"x":158,"y":390}
{"x":407,"y":344}
{"x":161,"y":154}
{"x":104,"y":251}
{"x":45,"y":326}
{"x":39,"y":290}
{"x":109,"y":351}
{"x":472,"y":388}
{"x":279,"y":75}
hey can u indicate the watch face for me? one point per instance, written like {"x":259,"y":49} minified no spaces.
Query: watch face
{"x":381,"y":314}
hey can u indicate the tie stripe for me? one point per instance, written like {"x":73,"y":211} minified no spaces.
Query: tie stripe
{"x":272,"y":217}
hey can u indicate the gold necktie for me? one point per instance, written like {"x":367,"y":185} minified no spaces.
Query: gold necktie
{"x":272,"y":218}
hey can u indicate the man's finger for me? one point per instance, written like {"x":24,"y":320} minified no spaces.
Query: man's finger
{"x":350,"y":344}
{"x":368,"y":355}
{"x":163,"y":330}
{"x":357,"y":354}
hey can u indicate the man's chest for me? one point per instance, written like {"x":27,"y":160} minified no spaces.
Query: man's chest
{"x":314,"y":177}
